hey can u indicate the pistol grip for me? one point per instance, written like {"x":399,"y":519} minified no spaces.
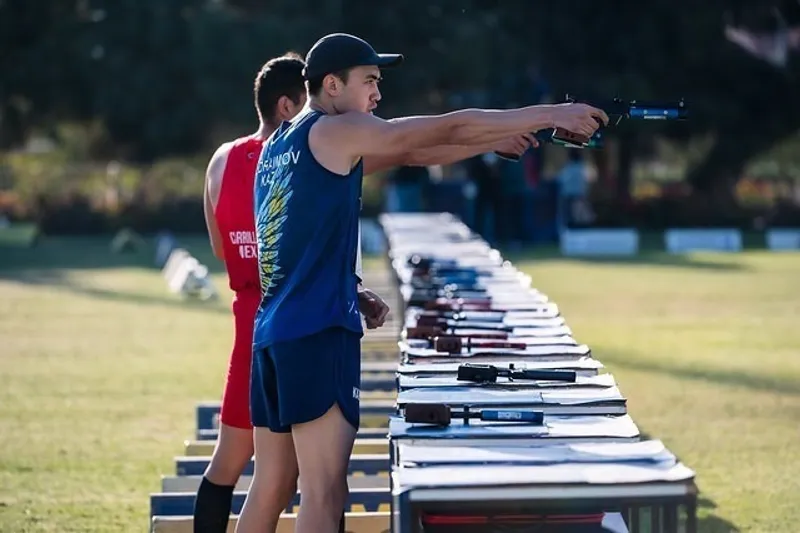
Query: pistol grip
{"x":569,"y":137}
{"x":427,"y":413}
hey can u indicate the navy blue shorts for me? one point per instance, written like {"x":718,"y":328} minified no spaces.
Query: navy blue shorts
{"x":300,"y":380}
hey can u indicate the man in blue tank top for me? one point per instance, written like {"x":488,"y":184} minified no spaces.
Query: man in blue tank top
{"x":306,"y":346}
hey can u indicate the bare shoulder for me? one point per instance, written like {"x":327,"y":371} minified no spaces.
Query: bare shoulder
{"x":215,"y":171}
{"x":220,"y":156}
{"x":346,"y":124}
{"x":345,"y":137}
{"x":333,"y":140}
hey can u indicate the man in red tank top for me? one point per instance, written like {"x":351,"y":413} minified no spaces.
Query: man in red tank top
{"x":280,"y":93}
{"x":228,"y":197}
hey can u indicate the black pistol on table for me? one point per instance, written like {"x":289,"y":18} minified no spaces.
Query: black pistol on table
{"x":481,"y":373}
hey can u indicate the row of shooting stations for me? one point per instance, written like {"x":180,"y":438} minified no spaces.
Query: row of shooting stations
{"x":504,"y":421}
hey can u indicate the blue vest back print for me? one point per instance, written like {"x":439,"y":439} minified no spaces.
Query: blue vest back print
{"x":307,"y":233}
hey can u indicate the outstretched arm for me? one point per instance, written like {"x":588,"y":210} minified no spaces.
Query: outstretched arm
{"x":355,"y":135}
{"x":361,"y":135}
{"x":447,"y":154}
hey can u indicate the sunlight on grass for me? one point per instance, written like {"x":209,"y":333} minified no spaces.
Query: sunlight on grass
{"x":100,"y":370}
{"x":707,"y":356}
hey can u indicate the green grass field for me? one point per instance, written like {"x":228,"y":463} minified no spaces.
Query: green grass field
{"x":100,"y":370}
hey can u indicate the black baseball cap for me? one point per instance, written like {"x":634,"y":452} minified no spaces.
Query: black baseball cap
{"x":341,"y":51}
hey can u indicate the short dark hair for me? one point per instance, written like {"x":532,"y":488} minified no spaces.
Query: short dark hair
{"x":280,"y":76}
{"x":315,"y":85}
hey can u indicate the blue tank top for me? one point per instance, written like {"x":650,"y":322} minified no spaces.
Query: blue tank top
{"x":307,"y":236}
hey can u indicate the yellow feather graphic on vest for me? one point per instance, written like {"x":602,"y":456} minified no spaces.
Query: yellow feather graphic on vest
{"x":269,"y":226}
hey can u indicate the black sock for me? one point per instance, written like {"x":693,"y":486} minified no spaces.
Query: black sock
{"x":341,"y":523}
{"x":212,"y":507}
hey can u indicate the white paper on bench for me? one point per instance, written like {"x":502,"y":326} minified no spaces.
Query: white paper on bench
{"x":464,"y":253}
{"x":595,"y":452}
{"x":500,"y":317}
{"x":511,"y":291}
{"x":536,"y":332}
{"x":535,"y":322}
{"x":527,"y":296}
{"x":490,"y":359}
{"x":516,"y":307}
{"x":400,"y":219}
{"x":529,"y":351}
{"x":434,"y":229}
{"x":431,"y":227}
{"x":459,"y":396}
{"x":449,"y":233}
{"x":525,"y":307}
{"x":419,"y":238}
{"x":414,"y":219}
{"x":519,"y":295}
{"x":581,"y":363}
{"x":559,"y":340}
{"x":465,"y":260}
{"x":461,"y":259}
{"x":515,"y":290}
{"x":563,"y":474}
{"x":596,"y":428}
{"x":519,"y":334}
{"x":539,"y":321}
{"x":467,"y":253}
{"x":513,"y":318}
{"x":485,"y":274}
{"x":600,"y":381}
{"x":516,"y":294}
{"x":505,"y":284}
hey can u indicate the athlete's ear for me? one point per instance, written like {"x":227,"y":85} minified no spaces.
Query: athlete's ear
{"x":331,"y":84}
{"x":283,"y":108}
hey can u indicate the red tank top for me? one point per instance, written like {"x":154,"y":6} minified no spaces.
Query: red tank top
{"x":235,"y":216}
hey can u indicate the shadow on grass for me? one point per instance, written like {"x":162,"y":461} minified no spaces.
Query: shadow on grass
{"x":707,"y":521}
{"x":58,"y":280}
{"x":754,"y":382}
{"x":714,"y":524}
{"x":52,"y":253}
{"x":49,"y":262}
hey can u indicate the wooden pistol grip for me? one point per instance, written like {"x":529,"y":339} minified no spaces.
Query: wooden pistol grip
{"x":448,"y":343}
{"x":570,"y":137}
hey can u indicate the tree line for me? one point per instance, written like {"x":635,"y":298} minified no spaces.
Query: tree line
{"x":155,"y":79}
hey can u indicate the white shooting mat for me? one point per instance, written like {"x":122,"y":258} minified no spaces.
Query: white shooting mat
{"x":506,"y":397}
{"x":611,"y":475}
{"x":583,"y":365}
{"x":647,"y":451}
{"x":508,"y":318}
{"x":556,"y":429}
{"x":601,"y":381}
{"x":557,"y":340}
{"x":554,"y":352}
